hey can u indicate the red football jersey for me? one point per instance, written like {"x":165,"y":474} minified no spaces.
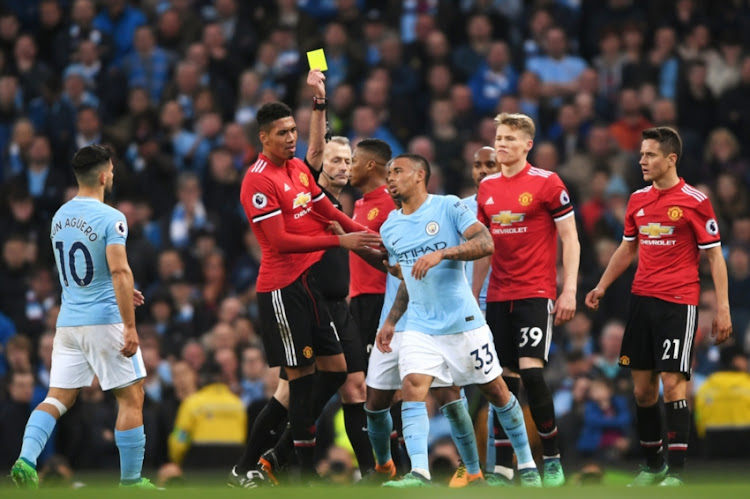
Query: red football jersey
{"x":371,"y":211}
{"x":269,"y":190}
{"x":671,"y":225}
{"x":521,"y":212}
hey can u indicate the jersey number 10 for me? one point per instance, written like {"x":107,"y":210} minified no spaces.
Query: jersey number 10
{"x":76,"y":246}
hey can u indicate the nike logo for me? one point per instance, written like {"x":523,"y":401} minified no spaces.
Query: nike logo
{"x":488,"y":370}
{"x":364,"y":428}
{"x":394,"y":242}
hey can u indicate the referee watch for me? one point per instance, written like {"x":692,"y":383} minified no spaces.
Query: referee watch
{"x":320,"y":103}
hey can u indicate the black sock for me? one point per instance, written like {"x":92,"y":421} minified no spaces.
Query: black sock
{"x":261,"y":434}
{"x":284,"y":448}
{"x":355,"y":422}
{"x":400,"y":459}
{"x":649,"y":433}
{"x":503,"y":448}
{"x":302,"y":421}
{"x":327,"y":383}
{"x":678,"y":432}
{"x":542,"y":409}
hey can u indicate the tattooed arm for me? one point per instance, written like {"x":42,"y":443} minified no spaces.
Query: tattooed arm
{"x":385,"y":335}
{"x":478,"y":244}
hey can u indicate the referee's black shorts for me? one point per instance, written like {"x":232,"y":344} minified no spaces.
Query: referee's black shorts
{"x":366,"y":310}
{"x":354,"y":352}
{"x":295,"y":324}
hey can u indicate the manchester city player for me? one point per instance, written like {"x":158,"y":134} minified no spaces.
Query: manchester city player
{"x":445,"y":335}
{"x":96,"y":332}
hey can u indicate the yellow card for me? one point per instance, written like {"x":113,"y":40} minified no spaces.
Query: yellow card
{"x":317,"y":59}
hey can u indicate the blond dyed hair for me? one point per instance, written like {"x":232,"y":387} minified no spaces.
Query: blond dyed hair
{"x":516,"y":121}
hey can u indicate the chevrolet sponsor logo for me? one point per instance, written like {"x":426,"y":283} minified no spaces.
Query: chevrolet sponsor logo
{"x":302,"y":199}
{"x":507,"y":218}
{"x":656,"y":230}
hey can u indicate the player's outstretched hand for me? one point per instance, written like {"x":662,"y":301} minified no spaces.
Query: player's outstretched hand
{"x":384,"y":337}
{"x":721,"y":328}
{"x":130,"y":335}
{"x":394,"y":270}
{"x":316,"y":79}
{"x":358,"y":240}
{"x":138,"y":298}
{"x":593,"y":297}
{"x":425,"y":263}
{"x":335,"y":228}
{"x":565,"y":307}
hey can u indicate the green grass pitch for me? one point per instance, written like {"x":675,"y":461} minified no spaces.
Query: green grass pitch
{"x":713,"y":485}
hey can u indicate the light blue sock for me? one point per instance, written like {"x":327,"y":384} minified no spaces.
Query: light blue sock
{"x":490,"y":457}
{"x":132,"y":445}
{"x":35,"y":436}
{"x":462,"y":431}
{"x":511,"y":417}
{"x":379,"y":429}
{"x":416,"y":427}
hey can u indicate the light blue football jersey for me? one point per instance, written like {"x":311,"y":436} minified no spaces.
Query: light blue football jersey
{"x":81,"y":231}
{"x":391,"y":289}
{"x":471,"y":203}
{"x":442,"y":302}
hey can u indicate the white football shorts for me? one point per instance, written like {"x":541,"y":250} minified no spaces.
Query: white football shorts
{"x":467,"y":358}
{"x":382,"y":369}
{"x":80,"y":352}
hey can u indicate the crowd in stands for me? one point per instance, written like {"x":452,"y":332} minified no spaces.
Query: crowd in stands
{"x":173,"y":86}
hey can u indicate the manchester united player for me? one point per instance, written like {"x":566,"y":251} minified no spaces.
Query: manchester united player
{"x":526,"y":208}
{"x":668,"y":223}
{"x":290,"y":215}
{"x":367,"y":286}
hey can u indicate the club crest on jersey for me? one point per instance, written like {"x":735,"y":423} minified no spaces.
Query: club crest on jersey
{"x":525,"y":198}
{"x":625,"y":360}
{"x":564,"y":198}
{"x":508,"y":218}
{"x":303,"y":178}
{"x":656,"y":230}
{"x":712,"y":227}
{"x":674,"y":213}
{"x":432,"y":228}
{"x":260,"y":200}
{"x":302,"y":199}
{"x":121,"y":228}
{"x":372,"y":214}
{"x":307,"y":352}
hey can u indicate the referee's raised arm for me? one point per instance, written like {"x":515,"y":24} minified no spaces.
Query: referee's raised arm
{"x":314,"y":157}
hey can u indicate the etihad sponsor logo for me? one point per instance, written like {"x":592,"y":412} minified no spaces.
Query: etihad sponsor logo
{"x":526,"y":198}
{"x":507,"y":218}
{"x":674,"y":213}
{"x":411,"y":256}
{"x":302,"y":199}
{"x":656,"y":230}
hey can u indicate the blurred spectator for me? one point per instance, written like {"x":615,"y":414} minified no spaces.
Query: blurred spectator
{"x":606,"y":423}
{"x":120,"y":21}
{"x":493,"y":78}
{"x":557,"y":69}
{"x":14,"y":271}
{"x":81,"y":29}
{"x":734,"y":106}
{"x":696,"y":101}
{"x":722,"y":406}
{"x":607,"y":362}
{"x":30,"y":71}
{"x":724,"y":67}
{"x":610,"y":63}
{"x":210,"y":426}
{"x":253,"y":371}
{"x":468,"y":57}
{"x":13,"y":413}
{"x":627,"y":129}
